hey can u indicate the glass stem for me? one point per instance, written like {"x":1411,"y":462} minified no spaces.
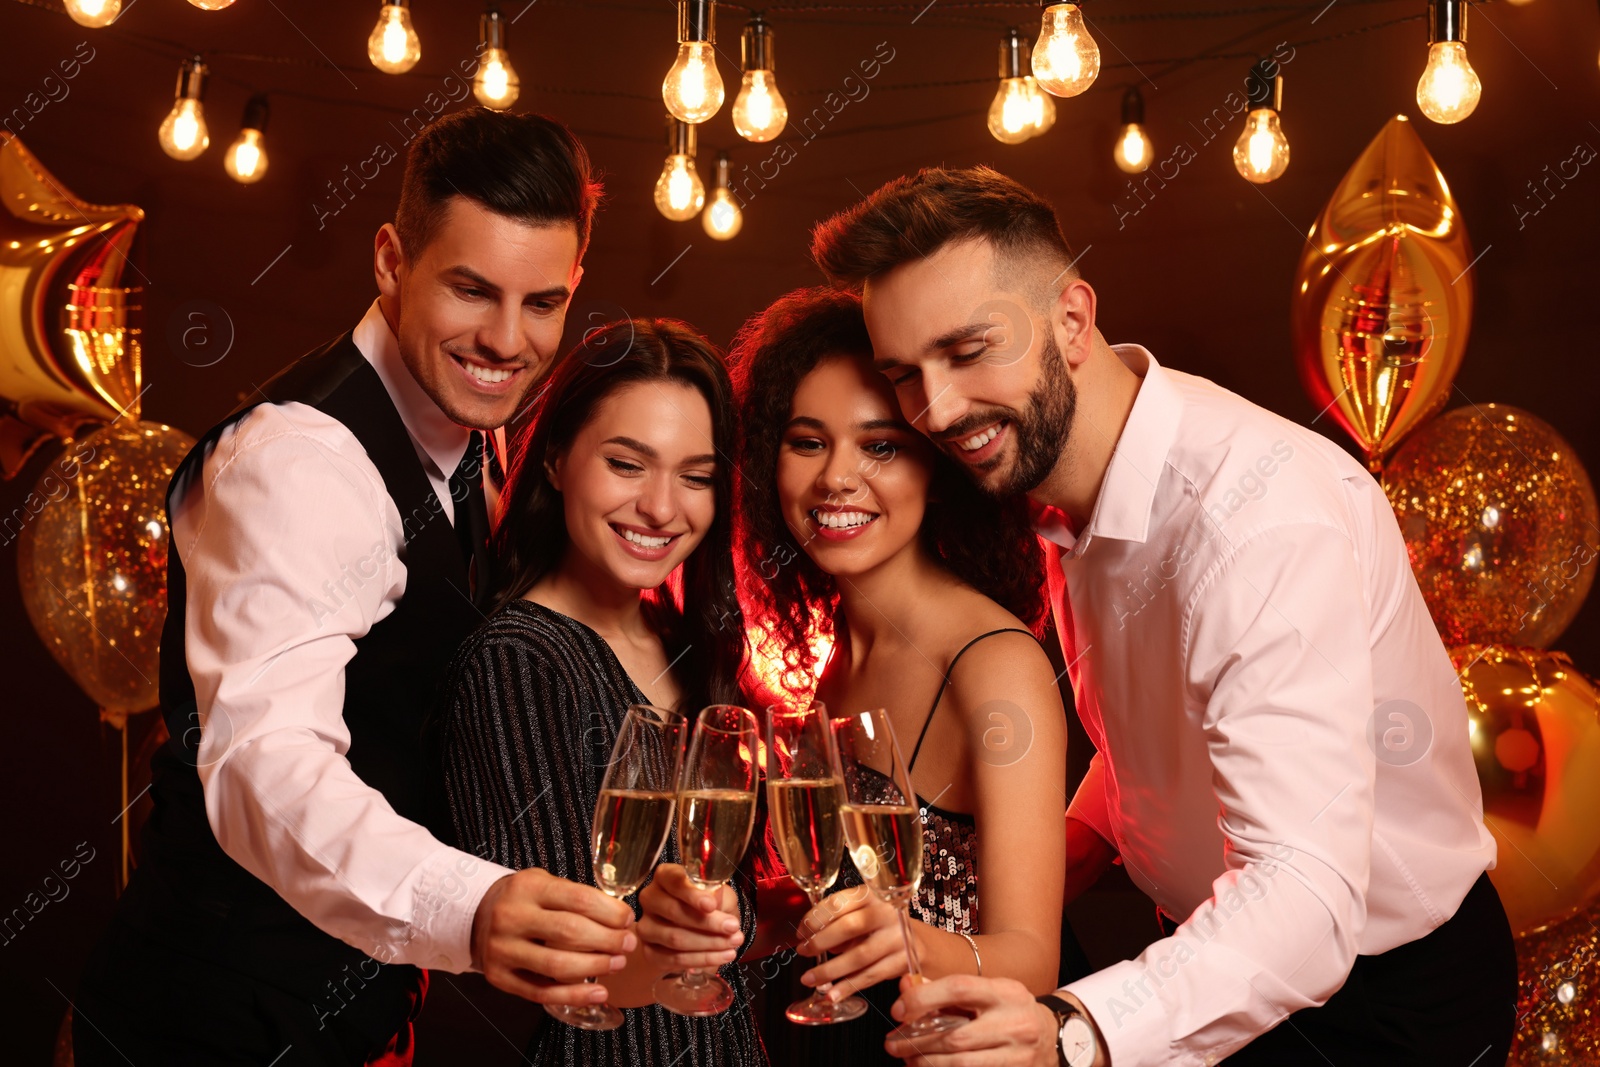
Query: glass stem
{"x":822,"y":956}
{"x":913,"y":965}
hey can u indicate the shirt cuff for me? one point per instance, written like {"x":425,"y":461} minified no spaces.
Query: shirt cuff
{"x":1131,"y":1017}
{"x":452,"y":886}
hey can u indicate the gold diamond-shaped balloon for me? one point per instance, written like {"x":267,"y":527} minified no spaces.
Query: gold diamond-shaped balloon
{"x":1383,"y":294}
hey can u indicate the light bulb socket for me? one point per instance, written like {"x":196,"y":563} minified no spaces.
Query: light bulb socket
{"x":1016,"y":51}
{"x":1447,"y":21}
{"x":722,"y":170}
{"x":697,"y":21}
{"x":1264,"y":86}
{"x":757,"y":45}
{"x":255,"y":114}
{"x":491,"y":30}
{"x":680,"y":137}
{"x":1059,"y":3}
{"x":1132,"y":106}
{"x":192,"y":79}
{"x":396,"y":3}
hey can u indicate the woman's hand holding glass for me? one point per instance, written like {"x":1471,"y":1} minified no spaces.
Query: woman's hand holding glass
{"x":716,"y":811}
{"x":860,"y":930}
{"x":684,"y":927}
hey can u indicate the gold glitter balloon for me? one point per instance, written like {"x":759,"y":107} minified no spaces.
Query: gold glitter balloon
{"x":92,"y":559}
{"x":1383,"y":294}
{"x":69,"y":330}
{"x":1558,"y":1000}
{"x":1534,"y":723}
{"x":1500,"y":520}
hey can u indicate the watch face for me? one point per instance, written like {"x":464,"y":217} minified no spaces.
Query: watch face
{"x":1077,"y":1041}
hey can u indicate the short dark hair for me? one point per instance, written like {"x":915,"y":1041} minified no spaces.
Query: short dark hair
{"x":914,"y":216}
{"x":526,"y":167}
{"x":988,"y":544}
{"x":701,"y":615}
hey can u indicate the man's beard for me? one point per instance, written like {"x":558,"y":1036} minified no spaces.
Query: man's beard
{"x":1041,"y":430}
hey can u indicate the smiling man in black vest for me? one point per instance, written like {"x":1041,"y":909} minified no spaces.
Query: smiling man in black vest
{"x":328,"y":555}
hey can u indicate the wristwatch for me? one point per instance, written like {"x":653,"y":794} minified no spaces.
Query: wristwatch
{"x":1076,"y":1043}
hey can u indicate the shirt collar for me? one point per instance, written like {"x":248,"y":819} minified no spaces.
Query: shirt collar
{"x":1127,"y":494}
{"x":436,"y":436}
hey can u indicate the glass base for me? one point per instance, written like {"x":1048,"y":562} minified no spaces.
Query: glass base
{"x":927,"y":1026}
{"x":587,"y":1016}
{"x":697,"y":994}
{"x":818,"y":1010}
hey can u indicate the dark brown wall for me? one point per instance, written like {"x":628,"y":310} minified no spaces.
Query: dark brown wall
{"x":1201,"y":276}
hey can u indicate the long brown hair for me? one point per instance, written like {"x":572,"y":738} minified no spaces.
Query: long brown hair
{"x":988,"y":544}
{"x":701,"y":617}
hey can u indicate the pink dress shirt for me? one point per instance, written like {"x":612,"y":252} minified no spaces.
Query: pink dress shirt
{"x":1283,"y":755}
{"x":293,"y":549}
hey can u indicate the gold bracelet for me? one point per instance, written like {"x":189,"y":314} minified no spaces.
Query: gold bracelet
{"x":974,"y":946}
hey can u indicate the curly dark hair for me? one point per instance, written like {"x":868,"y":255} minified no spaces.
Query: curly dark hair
{"x":701,"y":616}
{"x":988,"y":544}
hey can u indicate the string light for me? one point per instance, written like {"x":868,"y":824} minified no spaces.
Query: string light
{"x":94,"y":13}
{"x":183,"y":133}
{"x":1066,"y":60}
{"x":759,"y":111}
{"x":679,"y":192}
{"x":1020,"y":109}
{"x":1261,"y":154}
{"x":692,"y":88}
{"x":1134,"y":150}
{"x":722,"y":217}
{"x":1449,"y":87}
{"x":246,"y":160}
{"x":393,"y":45}
{"x":496,"y":84}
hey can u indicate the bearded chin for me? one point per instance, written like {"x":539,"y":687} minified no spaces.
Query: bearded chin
{"x":1041,"y":430}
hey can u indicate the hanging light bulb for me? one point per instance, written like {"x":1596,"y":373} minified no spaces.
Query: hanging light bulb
{"x":1261,"y":154}
{"x":211,"y":5}
{"x":246,"y":160}
{"x":759,"y":112}
{"x":1134,"y":150}
{"x":1012,"y":113}
{"x":495,"y":85}
{"x":183,"y":132}
{"x":693,"y":88}
{"x":393,"y":46}
{"x":1449,"y":87}
{"x":722,"y":217}
{"x":1065,"y":58}
{"x":94,"y":13}
{"x":679,"y":192}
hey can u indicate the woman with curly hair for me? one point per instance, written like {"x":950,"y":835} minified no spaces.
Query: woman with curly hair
{"x":854,"y":525}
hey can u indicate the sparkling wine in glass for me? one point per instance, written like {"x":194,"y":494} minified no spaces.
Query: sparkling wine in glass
{"x":883,"y":830}
{"x":631,"y":822}
{"x":716,"y":810}
{"x":803,"y":798}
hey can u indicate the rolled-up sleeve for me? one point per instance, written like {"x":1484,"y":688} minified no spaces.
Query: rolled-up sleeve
{"x":293,"y":550}
{"x":1284,"y":672}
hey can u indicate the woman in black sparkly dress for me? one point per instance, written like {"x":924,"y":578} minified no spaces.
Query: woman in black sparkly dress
{"x":619,"y":482}
{"x":854,"y":525}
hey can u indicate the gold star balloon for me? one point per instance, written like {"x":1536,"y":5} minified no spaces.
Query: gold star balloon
{"x":69,"y":333}
{"x":1383,"y":296}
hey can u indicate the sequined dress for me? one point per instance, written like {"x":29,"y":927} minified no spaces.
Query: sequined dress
{"x":532,"y":706}
{"x":947,"y":897}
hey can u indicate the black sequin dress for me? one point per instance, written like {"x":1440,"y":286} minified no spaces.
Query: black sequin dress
{"x":532,"y":706}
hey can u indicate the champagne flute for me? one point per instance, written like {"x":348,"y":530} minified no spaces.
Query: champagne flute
{"x":716,"y":810}
{"x":803,"y":797}
{"x":883,"y":829}
{"x":631,"y":820}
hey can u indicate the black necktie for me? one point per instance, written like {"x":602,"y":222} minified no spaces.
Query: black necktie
{"x":472,"y":517}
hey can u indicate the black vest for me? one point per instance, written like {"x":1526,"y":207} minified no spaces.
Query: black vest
{"x":187,"y":892}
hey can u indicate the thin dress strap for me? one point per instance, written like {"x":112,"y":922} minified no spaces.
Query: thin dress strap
{"x":946,"y":684}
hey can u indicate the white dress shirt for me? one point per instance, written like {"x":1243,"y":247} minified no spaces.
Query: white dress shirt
{"x":293,"y":548}
{"x":1283,"y":752}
